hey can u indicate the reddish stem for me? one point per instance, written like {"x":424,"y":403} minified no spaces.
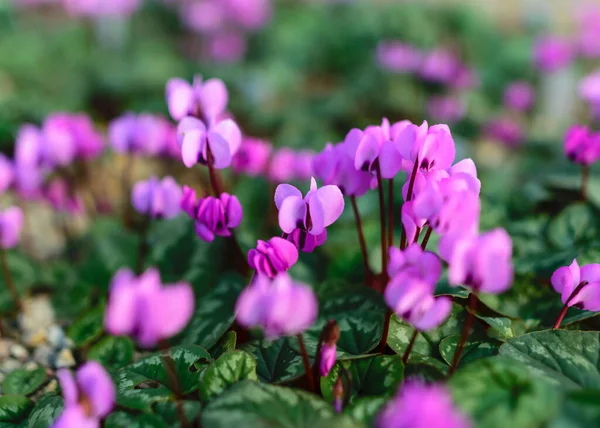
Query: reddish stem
{"x":8,"y":279}
{"x":410,"y":346}
{"x":465,"y":333}
{"x":409,"y":194}
{"x":565,"y":308}
{"x":361,"y":236}
{"x":386,"y":329}
{"x":382,"y":219}
{"x":585,"y":174}
{"x":426,"y":238}
{"x":306,"y":363}
{"x":390,"y":212}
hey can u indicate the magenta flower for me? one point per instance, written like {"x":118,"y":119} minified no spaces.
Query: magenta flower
{"x":519,"y":95}
{"x":281,"y":306}
{"x":217,"y":216}
{"x":206,"y":99}
{"x":422,"y":406}
{"x":378,"y":146}
{"x":220,"y":141}
{"x":282,"y":166}
{"x":415,"y":262}
{"x":579,"y":287}
{"x":89,"y":396}
{"x":303,"y":169}
{"x":431,"y":147}
{"x":504,"y":130}
{"x":62,"y":198}
{"x":411,"y":223}
{"x":273,"y":257}
{"x":189,"y":202}
{"x":440,"y":65}
{"x":157,"y":198}
{"x":551,"y":53}
{"x":313,"y":213}
{"x":143,"y":308}
{"x":589,"y":31}
{"x":226,"y":46}
{"x":250,"y":14}
{"x":328,"y":357}
{"x":11,"y":223}
{"x":305,"y":241}
{"x":59,"y":145}
{"x":589,"y":90}
{"x":398,"y":57}
{"x":252,"y":158}
{"x":483,"y":262}
{"x":29,"y":144}
{"x":581,"y":146}
{"x":447,"y":109}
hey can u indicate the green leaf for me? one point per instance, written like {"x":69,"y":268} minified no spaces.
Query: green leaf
{"x":169,"y":412}
{"x":138,"y":392}
{"x":577,"y":223}
{"x":46,"y":410}
{"x":565,"y":358}
{"x":473,"y":349}
{"x":14,"y":408}
{"x":276,"y":361}
{"x":230,"y":368}
{"x":214,"y":313}
{"x":112,"y":351}
{"x":226,"y":343}
{"x":23,"y":381}
{"x":365,"y":409}
{"x":372,"y":376}
{"x":359,"y":312}
{"x":581,"y":409}
{"x":121,"y":419}
{"x":88,"y":328}
{"x":500,"y":392}
{"x":184,"y":359}
{"x":500,"y":327}
{"x":258,"y":405}
{"x":429,"y":369}
{"x":399,"y":337}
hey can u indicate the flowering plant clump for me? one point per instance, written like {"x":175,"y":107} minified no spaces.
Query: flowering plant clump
{"x":297,"y":214}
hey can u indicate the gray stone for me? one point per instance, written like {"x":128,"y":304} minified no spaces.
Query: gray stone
{"x":19,"y":352}
{"x":56,"y":337}
{"x":9,"y":365}
{"x":65,"y":359}
{"x":43,"y":355}
{"x":30,"y":365}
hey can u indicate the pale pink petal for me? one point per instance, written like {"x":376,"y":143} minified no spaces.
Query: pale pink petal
{"x":283,"y":191}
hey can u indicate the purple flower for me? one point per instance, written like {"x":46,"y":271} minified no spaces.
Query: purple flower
{"x":440,"y":65}
{"x":250,"y":14}
{"x":89,"y":396}
{"x":519,"y":95}
{"x":303,"y":167}
{"x":143,"y":308}
{"x":11,"y":222}
{"x":589,"y":90}
{"x":328,"y":357}
{"x":217,"y":216}
{"x":282,"y":167}
{"x":589,"y":31}
{"x":431,"y":147}
{"x":207,"y":99}
{"x":411,"y":223}
{"x":446,"y":108}
{"x":483,"y":262}
{"x":281,"y":306}
{"x":157,"y":198}
{"x":252,"y":158}
{"x":313,"y":213}
{"x":220,"y":141}
{"x":418,"y":405}
{"x":581,"y":146}
{"x":62,"y":198}
{"x":226,"y":46}
{"x":273,"y":257}
{"x":398,"y":57}
{"x":551,"y":53}
{"x":59,"y":147}
{"x":378,"y":146}
{"x":414,"y":261}
{"x":305,"y":241}
{"x":579,"y":287}
{"x":189,"y":202}
{"x":144,"y":134}
{"x":504,"y":130}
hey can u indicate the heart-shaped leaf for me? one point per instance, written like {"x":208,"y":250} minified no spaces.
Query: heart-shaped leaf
{"x":226,"y":343}
{"x":121,"y":419}
{"x":229,"y":368}
{"x":112,"y":351}
{"x":23,"y":381}
{"x":276,"y":361}
{"x":14,"y":408}
{"x":473,"y":349}
{"x":138,"y":392}
{"x":88,"y":328}
{"x":46,"y":410}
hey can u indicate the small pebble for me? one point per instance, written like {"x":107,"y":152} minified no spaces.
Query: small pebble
{"x":51,"y":387}
{"x":56,"y":337}
{"x":19,"y":352}
{"x":9,"y":365}
{"x":43,"y":355}
{"x":30,"y":365}
{"x":36,"y":338}
{"x":65,"y":359}
{"x":5,"y":345}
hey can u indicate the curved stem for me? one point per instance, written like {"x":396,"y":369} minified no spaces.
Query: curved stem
{"x":214,"y":179}
{"x":465,"y":333}
{"x":306,"y":363}
{"x":565,"y":308}
{"x":386,"y":329}
{"x":382,"y":220}
{"x":426,"y":238}
{"x":361,"y":236}
{"x":8,"y":279}
{"x":409,"y":194}
{"x":410,"y":346}
{"x":169,"y":366}
{"x":561,"y":316}
{"x":390,"y":212}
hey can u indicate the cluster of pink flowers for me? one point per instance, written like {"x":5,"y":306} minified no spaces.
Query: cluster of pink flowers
{"x":582,"y":147}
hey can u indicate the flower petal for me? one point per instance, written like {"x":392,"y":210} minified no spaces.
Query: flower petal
{"x":283,"y":191}
{"x":292,"y":213}
{"x":97,"y":386}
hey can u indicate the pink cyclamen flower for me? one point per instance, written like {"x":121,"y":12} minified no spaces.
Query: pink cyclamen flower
{"x":432,"y":148}
{"x":206,"y":99}
{"x":252,"y":158}
{"x":313,"y":213}
{"x":217,"y":216}
{"x":415,"y":262}
{"x":588,"y":39}
{"x":551,"y":53}
{"x":303,"y":166}
{"x":141,"y":307}
{"x":579,"y":287}
{"x":88,"y":397}
{"x":250,"y":14}
{"x":581,"y":146}
{"x":418,"y":405}
{"x":282,"y":166}
{"x":305,"y":241}
{"x":328,"y":357}
{"x":519,"y":95}
{"x":440,"y":65}
{"x":448,"y":109}
{"x":589,"y":90}
{"x":59,"y":143}
{"x":281,"y":306}
{"x":11,"y":223}
{"x":62,"y":198}
{"x":483,"y":263}
{"x":157,"y":198}
{"x":398,"y":57}
{"x":144,"y":134}
{"x":226,"y":46}
{"x":273,"y":257}
{"x":221,"y":141}
{"x":505,"y":130}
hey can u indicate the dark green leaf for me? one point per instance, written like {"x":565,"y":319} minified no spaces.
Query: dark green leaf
{"x":473,"y":349}
{"x":399,"y":337}
{"x":112,"y":351}
{"x":14,"y":408}
{"x":23,"y":381}
{"x":258,"y":405}
{"x":226,"y":343}
{"x":565,"y":358}
{"x":276,"y":361}
{"x":577,"y":223}
{"x":46,"y":410}
{"x":169,"y":411}
{"x":365,"y":409}
{"x":126,"y":420}
{"x":138,"y":392}
{"x":231,"y":367}
{"x":183,"y":358}
{"x":88,"y":327}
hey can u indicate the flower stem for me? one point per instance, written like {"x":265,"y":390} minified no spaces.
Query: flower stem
{"x":409,"y":194}
{"x":565,"y":308}
{"x":426,"y":238}
{"x":361,"y":236}
{"x":390,"y":212}
{"x":214,"y":179}
{"x":126,"y":182}
{"x":306,"y":362}
{"x":410,"y":346}
{"x":465,"y":333}
{"x":8,"y":279}
{"x":585,"y":174}
{"x":382,"y":220}
{"x":386,"y":329}
{"x":171,"y":372}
